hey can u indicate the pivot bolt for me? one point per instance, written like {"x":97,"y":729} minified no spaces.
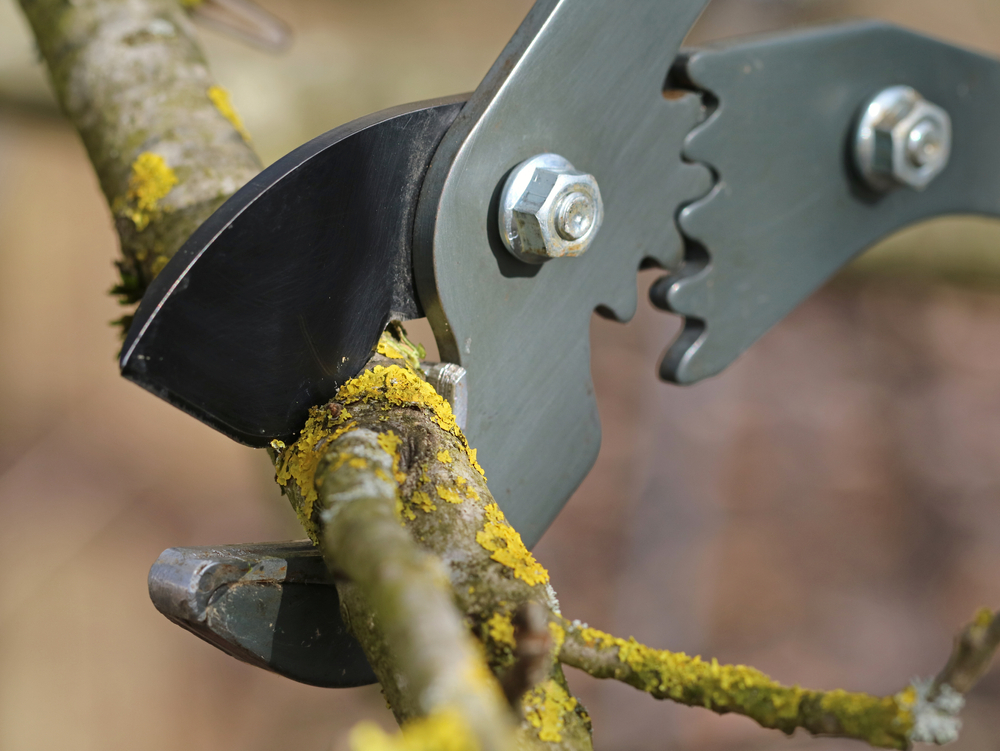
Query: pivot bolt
{"x":902,"y":139}
{"x":548,"y":209}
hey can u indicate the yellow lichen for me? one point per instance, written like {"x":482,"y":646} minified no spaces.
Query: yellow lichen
{"x":907,"y":697}
{"x":449,"y":494}
{"x":444,"y":456}
{"x":150,"y":181}
{"x":558,"y":637}
{"x":423,"y":501}
{"x":545,"y":707}
{"x":400,"y":387}
{"x":507,"y":548}
{"x":404,"y":510}
{"x":983,"y":618}
{"x":882,"y":721}
{"x":444,"y":730}
{"x":299,"y":461}
{"x":220,"y":98}
{"x":463,"y":485}
{"x":501,"y":630}
{"x":394,"y":345}
{"x":390,"y":443}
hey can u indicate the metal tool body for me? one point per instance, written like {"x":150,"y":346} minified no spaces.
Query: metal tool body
{"x":733,"y":168}
{"x":789,"y":208}
{"x":522,"y":331}
{"x":272,"y":605}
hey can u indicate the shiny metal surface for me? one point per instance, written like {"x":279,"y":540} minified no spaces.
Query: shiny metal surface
{"x":451,"y":382}
{"x":902,"y":139}
{"x":549,"y":209}
{"x":790,"y":208}
{"x":583,"y":79}
{"x":272,"y":605}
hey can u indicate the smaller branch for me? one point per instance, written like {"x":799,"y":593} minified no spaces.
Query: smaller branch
{"x":883,"y":722}
{"x":409,"y":595}
{"x":925,"y":711}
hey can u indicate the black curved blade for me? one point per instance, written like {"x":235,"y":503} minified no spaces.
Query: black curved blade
{"x":281,"y":295}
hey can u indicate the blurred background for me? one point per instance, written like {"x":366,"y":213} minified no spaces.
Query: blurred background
{"x":825,"y":510}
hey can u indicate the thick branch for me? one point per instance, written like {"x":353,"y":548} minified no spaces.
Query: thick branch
{"x":131,"y":79}
{"x":443,"y":506}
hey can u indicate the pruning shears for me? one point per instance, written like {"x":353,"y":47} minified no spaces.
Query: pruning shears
{"x":749,"y":172}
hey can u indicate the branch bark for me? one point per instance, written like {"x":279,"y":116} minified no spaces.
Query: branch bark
{"x":420,"y":578}
{"x":926,"y":711}
{"x":130,"y":77}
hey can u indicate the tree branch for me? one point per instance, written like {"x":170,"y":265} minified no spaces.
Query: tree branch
{"x":443,"y":519}
{"x":131,"y":79}
{"x":925,"y":711}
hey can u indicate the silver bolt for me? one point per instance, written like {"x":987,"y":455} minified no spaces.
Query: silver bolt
{"x":575,"y":215}
{"x":923,"y":145}
{"x":548,"y":209}
{"x":902,"y":139}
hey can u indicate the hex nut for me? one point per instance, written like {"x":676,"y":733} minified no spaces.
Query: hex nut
{"x":902,"y":139}
{"x":548,"y":209}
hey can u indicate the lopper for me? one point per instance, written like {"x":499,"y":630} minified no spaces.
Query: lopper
{"x":749,"y":172}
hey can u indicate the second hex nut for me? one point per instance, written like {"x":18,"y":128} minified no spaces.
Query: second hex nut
{"x":902,"y":139}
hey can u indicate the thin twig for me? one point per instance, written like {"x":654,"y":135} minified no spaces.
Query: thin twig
{"x":925,"y":711}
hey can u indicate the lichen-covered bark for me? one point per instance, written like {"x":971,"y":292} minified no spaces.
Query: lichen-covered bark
{"x":399,"y":599}
{"x":881,"y":721}
{"x":926,"y":711}
{"x":444,"y":509}
{"x":131,"y":79}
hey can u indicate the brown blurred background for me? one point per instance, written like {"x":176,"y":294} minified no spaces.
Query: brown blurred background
{"x":825,"y":510}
